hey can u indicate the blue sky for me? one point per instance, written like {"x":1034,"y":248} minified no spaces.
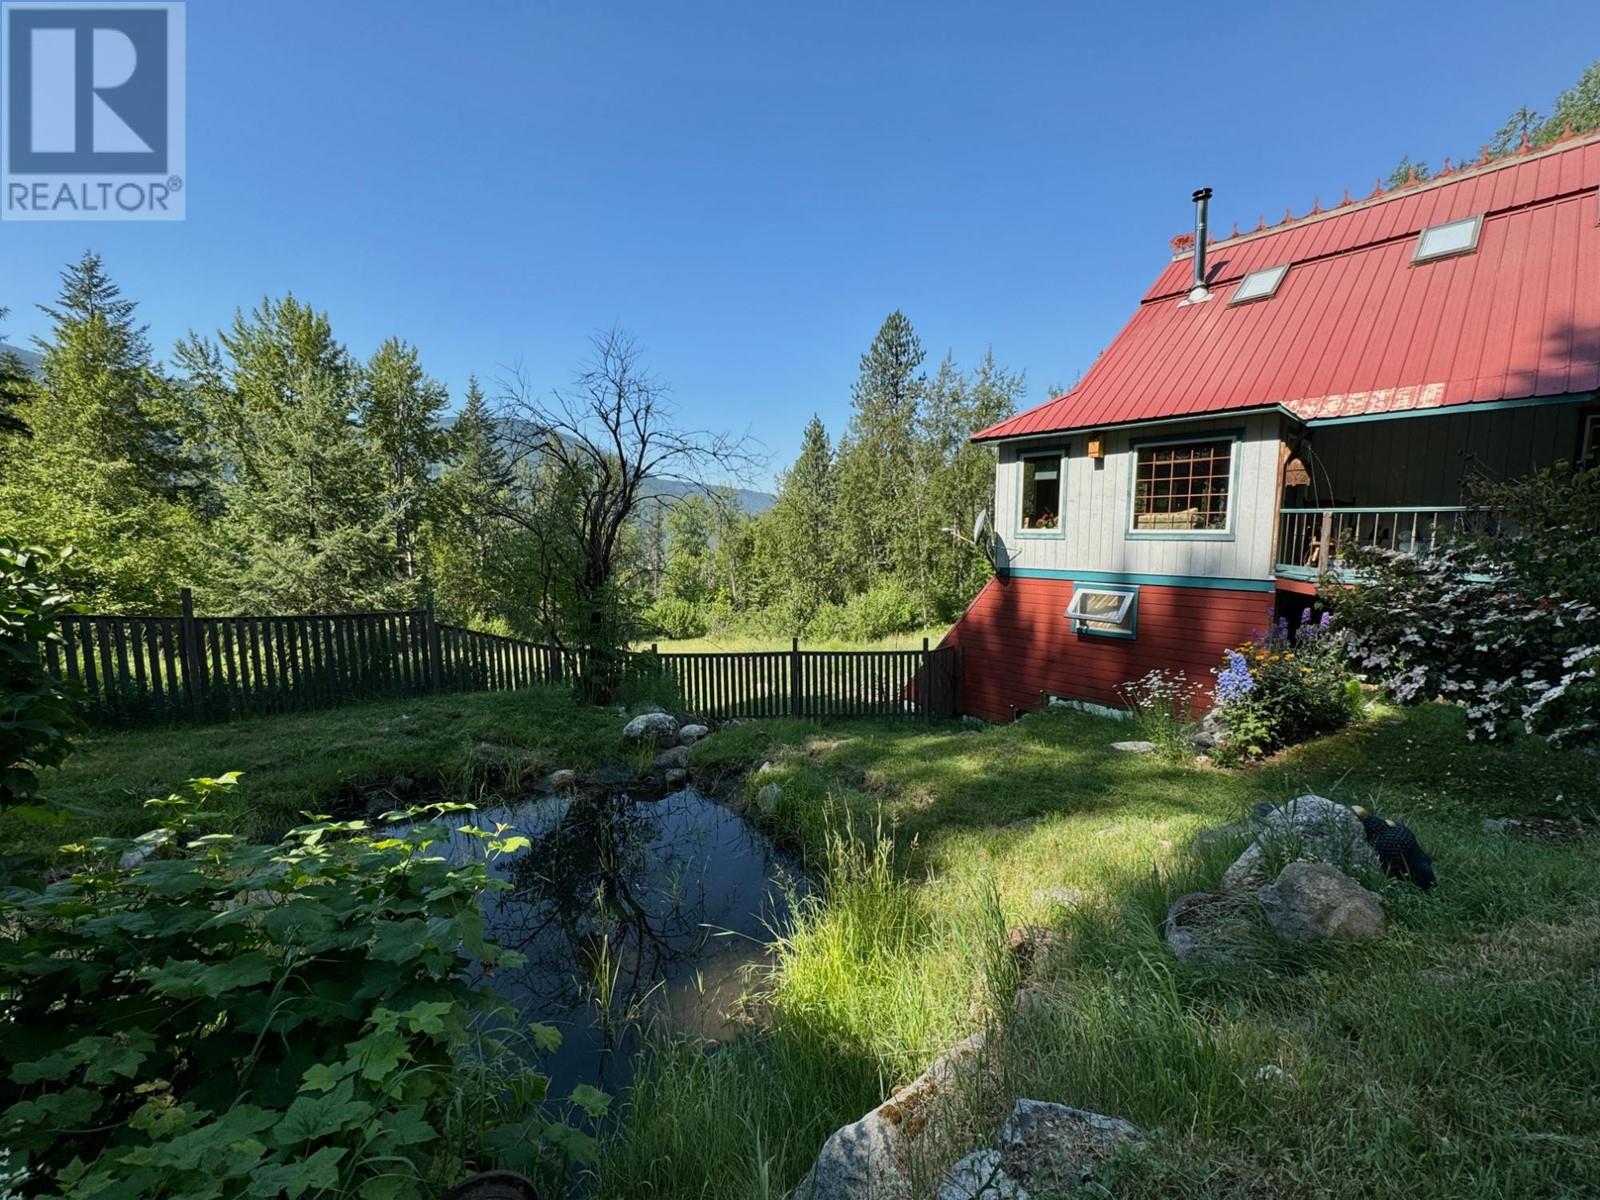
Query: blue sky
{"x":751,"y":187}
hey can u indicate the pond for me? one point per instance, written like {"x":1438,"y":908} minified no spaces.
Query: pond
{"x":628,"y":910}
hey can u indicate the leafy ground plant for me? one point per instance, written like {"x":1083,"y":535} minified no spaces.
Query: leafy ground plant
{"x":265,"y":1020}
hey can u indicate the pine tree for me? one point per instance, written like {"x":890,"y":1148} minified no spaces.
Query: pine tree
{"x":105,"y":469}
{"x":466,"y":541}
{"x":400,"y":407}
{"x":15,"y":388}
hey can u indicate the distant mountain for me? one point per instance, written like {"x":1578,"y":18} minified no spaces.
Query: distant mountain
{"x":30,"y":359}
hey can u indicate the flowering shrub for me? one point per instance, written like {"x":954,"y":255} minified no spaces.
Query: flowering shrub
{"x":1163,"y":704}
{"x":1506,"y":621}
{"x":1285,"y":688}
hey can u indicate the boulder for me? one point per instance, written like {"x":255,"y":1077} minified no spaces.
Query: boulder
{"x":612,"y":777}
{"x":1052,"y":1149}
{"x":1311,"y":828}
{"x":563,"y":780}
{"x":863,"y":1160}
{"x":979,"y":1176}
{"x":676,"y":756}
{"x":857,"y":1162}
{"x":690,"y":734}
{"x":767,"y":798}
{"x":652,"y":728}
{"x":676,"y":777}
{"x":1315,"y":901}
{"x":1028,"y":945}
{"x":1134,"y":747}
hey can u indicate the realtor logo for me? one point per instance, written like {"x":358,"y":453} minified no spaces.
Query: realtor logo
{"x":92,"y":111}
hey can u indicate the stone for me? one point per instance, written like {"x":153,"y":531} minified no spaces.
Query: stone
{"x":1060,"y":897}
{"x":612,"y":777}
{"x":767,"y":799}
{"x":563,"y":780}
{"x":652,"y":728}
{"x":1052,"y":1149}
{"x":677,"y":756}
{"x":1206,"y":928}
{"x":1315,"y":901}
{"x":676,"y":777}
{"x":690,"y":734}
{"x":1134,"y":747}
{"x":979,"y":1176}
{"x":857,"y":1162}
{"x":1028,"y":945}
{"x":1312,"y":828}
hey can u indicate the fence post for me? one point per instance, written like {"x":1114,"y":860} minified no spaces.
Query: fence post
{"x":794,"y":677}
{"x":194,"y":663}
{"x":435,"y":653}
{"x":925,"y":684}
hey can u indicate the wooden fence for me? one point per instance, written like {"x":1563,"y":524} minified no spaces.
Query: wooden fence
{"x":140,"y":668}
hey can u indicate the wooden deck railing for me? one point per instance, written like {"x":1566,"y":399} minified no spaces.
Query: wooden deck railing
{"x":1312,"y":541}
{"x":134,"y":668}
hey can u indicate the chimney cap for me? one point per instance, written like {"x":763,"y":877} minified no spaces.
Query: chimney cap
{"x":1201,"y":194}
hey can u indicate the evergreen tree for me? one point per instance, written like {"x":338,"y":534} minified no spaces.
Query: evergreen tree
{"x":877,"y":482}
{"x":799,"y":536}
{"x":15,"y":388}
{"x":104,"y":470}
{"x":468,"y":543}
{"x":307,"y":527}
{"x":400,"y":408}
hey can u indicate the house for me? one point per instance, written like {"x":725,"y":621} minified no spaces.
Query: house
{"x":1278,"y":395}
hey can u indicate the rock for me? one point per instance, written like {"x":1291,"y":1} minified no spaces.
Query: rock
{"x":979,"y":1176}
{"x":1224,"y":833}
{"x":857,"y":1162}
{"x":676,"y":776}
{"x":1134,"y":747}
{"x":1212,"y":722}
{"x":612,"y":777}
{"x":144,"y":846}
{"x":1204,"y":742}
{"x":677,"y":756}
{"x":1205,"y":928}
{"x":563,"y":780}
{"x":1311,"y":828}
{"x":1315,"y":901}
{"x":767,"y":799}
{"x":654,"y":728}
{"x":1052,"y":1149}
{"x":1273,"y":1073}
{"x":690,"y":734}
{"x":1060,"y":897}
{"x":1547,"y":830}
{"x":1029,"y":944}
{"x":862,"y":1160}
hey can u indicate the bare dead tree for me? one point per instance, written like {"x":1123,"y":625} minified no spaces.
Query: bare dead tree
{"x":589,"y":459}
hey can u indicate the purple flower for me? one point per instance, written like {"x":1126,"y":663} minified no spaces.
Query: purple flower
{"x":1233,"y":680}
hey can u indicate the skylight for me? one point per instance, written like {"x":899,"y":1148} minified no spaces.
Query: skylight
{"x":1453,"y":237}
{"x":1258,"y":285}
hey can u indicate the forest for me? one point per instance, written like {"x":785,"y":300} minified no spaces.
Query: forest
{"x":270,"y":470}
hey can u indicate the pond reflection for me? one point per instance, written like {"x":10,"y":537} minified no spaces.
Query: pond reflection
{"x":625,"y":909}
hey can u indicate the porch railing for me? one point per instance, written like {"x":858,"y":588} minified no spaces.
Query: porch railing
{"x":1313,"y":541}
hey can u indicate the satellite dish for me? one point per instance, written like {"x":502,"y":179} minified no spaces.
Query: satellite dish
{"x":980,"y":526}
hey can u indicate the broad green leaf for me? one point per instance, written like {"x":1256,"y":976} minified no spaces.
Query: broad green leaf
{"x":591,"y":1099}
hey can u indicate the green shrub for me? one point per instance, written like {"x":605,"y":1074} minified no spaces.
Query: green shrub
{"x":265,"y":1020}
{"x":886,"y":608}
{"x":675,"y":618}
{"x":37,"y":714}
{"x":1163,"y":704}
{"x":1282,"y":689}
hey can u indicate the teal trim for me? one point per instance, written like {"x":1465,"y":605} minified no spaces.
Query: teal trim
{"x":1402,"y":508}
{"x":1454,"y":410}
{"x":1302,"y":574}
{"x":1199,"y":535}
{"x":1081,"y":628}
{"x":1191,"y":581}
{"x":1059,"y":533}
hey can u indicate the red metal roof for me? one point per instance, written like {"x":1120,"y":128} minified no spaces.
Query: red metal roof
{"x":1355,"y":328}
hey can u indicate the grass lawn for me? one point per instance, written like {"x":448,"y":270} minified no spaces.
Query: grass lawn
{"x":714,"y":643}
{"x":309,"y":761}
{"x":1456,"y":1057}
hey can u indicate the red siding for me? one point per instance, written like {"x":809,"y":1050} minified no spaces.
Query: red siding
{"x":1016,"y":643}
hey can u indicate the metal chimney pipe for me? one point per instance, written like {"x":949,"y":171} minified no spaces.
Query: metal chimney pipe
{"x":1202,"y":197}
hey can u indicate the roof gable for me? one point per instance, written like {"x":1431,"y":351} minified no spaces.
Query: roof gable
{"x":1356,"y":328}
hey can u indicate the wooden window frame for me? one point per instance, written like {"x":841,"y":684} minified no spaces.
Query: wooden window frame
{"x":1234,"y":438}
{"x":1059,"y":454}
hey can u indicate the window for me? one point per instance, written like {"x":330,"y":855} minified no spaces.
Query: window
{"x":1453,"y":237}
{"x":1259,"y":285}
{"x":1106,"y":611}
{"x":1183,"y":488}
{"x":1589,"y":449}
{"x":1041,"y":492}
